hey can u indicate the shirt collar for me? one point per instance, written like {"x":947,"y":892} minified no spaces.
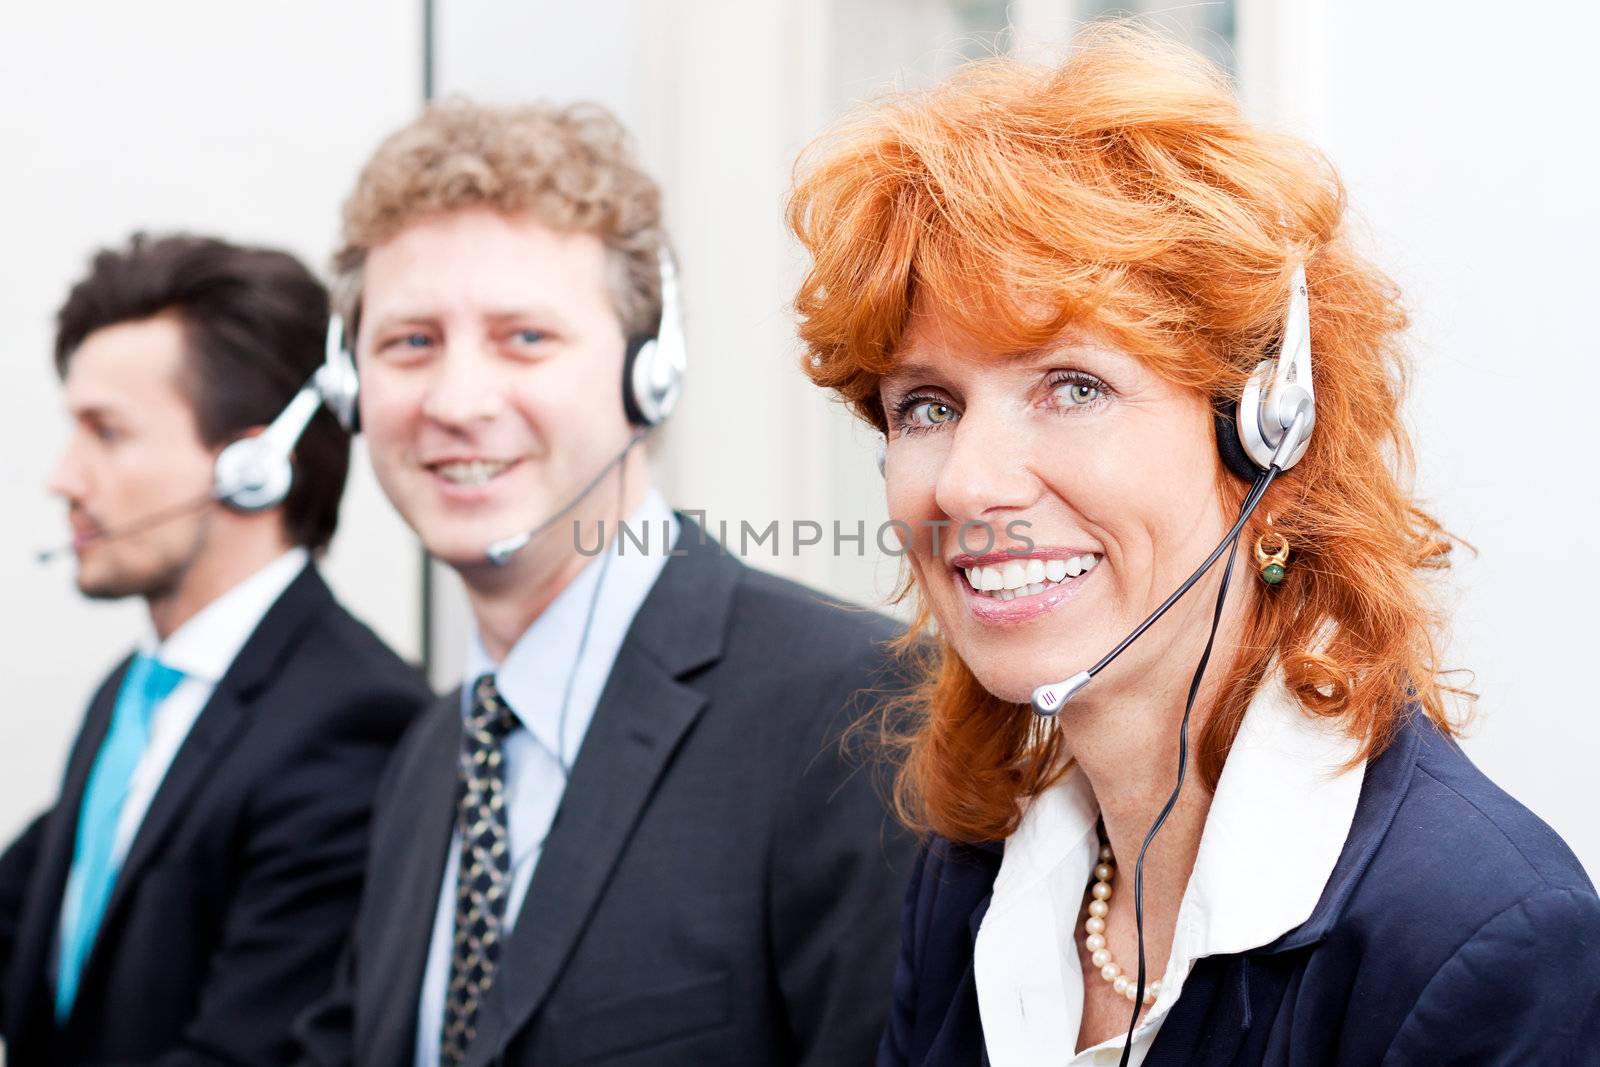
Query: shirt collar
{"x":1282,"y":810}
{"x":205,"y":647}
{"x":533,"y":679}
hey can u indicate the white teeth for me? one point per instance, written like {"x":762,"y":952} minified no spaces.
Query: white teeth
{"x":1027,"y":577}
{"x":984,"y":579}
{"x":472,"y":473}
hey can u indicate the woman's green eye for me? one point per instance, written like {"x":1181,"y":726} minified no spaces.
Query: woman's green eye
{"x":932,"y":413}
{"x":1078,"y":392}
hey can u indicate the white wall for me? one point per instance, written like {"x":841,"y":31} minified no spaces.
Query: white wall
{"x":244,"y":120}
{"x":1462,"y":131}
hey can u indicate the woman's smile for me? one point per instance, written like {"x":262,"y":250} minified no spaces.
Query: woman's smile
{"x":1003,"y":588}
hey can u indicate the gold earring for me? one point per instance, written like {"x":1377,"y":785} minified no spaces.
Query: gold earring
{"x":1272,"y":555}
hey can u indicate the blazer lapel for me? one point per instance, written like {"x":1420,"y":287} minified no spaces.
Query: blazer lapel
{"x":425,"y":809}
{"x":41,"y":914}
{"x":643,"y":716}
{"x":215,"y":730}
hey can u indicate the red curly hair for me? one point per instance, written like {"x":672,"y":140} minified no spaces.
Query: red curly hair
{"x":1124,"y":190}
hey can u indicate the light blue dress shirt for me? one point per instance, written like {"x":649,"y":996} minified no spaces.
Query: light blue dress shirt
{"x":534,"y":681}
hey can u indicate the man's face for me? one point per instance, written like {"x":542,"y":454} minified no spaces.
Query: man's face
{"x":134,"y":452}
{"x":491,"y":358}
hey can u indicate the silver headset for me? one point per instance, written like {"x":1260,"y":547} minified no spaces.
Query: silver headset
{"x":1279,"y":389}
{"x":652,"y":370}
{"x":255,"y":473}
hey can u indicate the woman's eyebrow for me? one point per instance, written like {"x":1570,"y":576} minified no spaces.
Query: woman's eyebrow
{"x":907,"y":370}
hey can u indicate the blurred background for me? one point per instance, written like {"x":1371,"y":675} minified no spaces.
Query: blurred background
{"x":1456,"y":125}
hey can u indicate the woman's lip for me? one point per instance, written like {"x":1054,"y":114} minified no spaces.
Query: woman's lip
{"x":991,"y":609}
{"x":965,"y":562}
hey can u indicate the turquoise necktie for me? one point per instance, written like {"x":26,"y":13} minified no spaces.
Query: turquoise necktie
{"x":94,"y":869}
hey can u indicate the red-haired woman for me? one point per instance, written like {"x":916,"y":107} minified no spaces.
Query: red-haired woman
{"x":1042,"y":286}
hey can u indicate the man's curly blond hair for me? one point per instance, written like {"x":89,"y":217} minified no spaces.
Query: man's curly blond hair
{"x":570,"y":167}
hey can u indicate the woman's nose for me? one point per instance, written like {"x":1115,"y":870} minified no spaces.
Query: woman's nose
{"x":986,"y":470}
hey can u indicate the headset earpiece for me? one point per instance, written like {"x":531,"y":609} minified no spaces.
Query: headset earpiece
{"x":653,"y":367}
{"x":636,"y":367}
{"x":250,"y":475}
{"x":256,"y":473}
{"x":1250,"y":429}
{"x":337,"y":379}
{"x":1225,"y":416}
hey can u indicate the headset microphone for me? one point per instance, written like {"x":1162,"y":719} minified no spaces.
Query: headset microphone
{"x":500,"y":552}
{"x":156,"y":518}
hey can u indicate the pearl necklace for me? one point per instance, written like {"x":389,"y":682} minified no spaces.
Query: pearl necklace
{"x":1095,"y":933}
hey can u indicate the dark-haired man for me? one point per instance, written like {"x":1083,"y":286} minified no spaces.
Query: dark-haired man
{"x":189,"y":890}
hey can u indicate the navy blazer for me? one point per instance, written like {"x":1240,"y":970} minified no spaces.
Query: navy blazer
{"x":1456,"y":928}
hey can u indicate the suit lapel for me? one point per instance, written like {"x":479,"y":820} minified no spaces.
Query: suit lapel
{"x":41,"y":913}
{"x":424,"y":810}
{"x":215,"y":730}
{"x":642,"y":717}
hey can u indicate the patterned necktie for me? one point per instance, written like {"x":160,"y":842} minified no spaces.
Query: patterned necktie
{"x":485,"y":872}
{"x":94,"y":866}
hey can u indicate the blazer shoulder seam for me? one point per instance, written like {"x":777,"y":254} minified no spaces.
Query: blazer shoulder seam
{"x":1544,"y":880}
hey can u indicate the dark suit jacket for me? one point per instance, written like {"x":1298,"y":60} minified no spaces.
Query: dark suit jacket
{"x":237,"y":891}
{"x":720,"y":884}
{"x":1456,"y":928}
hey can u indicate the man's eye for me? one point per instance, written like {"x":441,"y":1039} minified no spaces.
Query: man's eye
{"x":528,"y":337}
{"x":416,"y":341}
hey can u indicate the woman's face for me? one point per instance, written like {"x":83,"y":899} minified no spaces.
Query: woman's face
{"x":1055,"y":498}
